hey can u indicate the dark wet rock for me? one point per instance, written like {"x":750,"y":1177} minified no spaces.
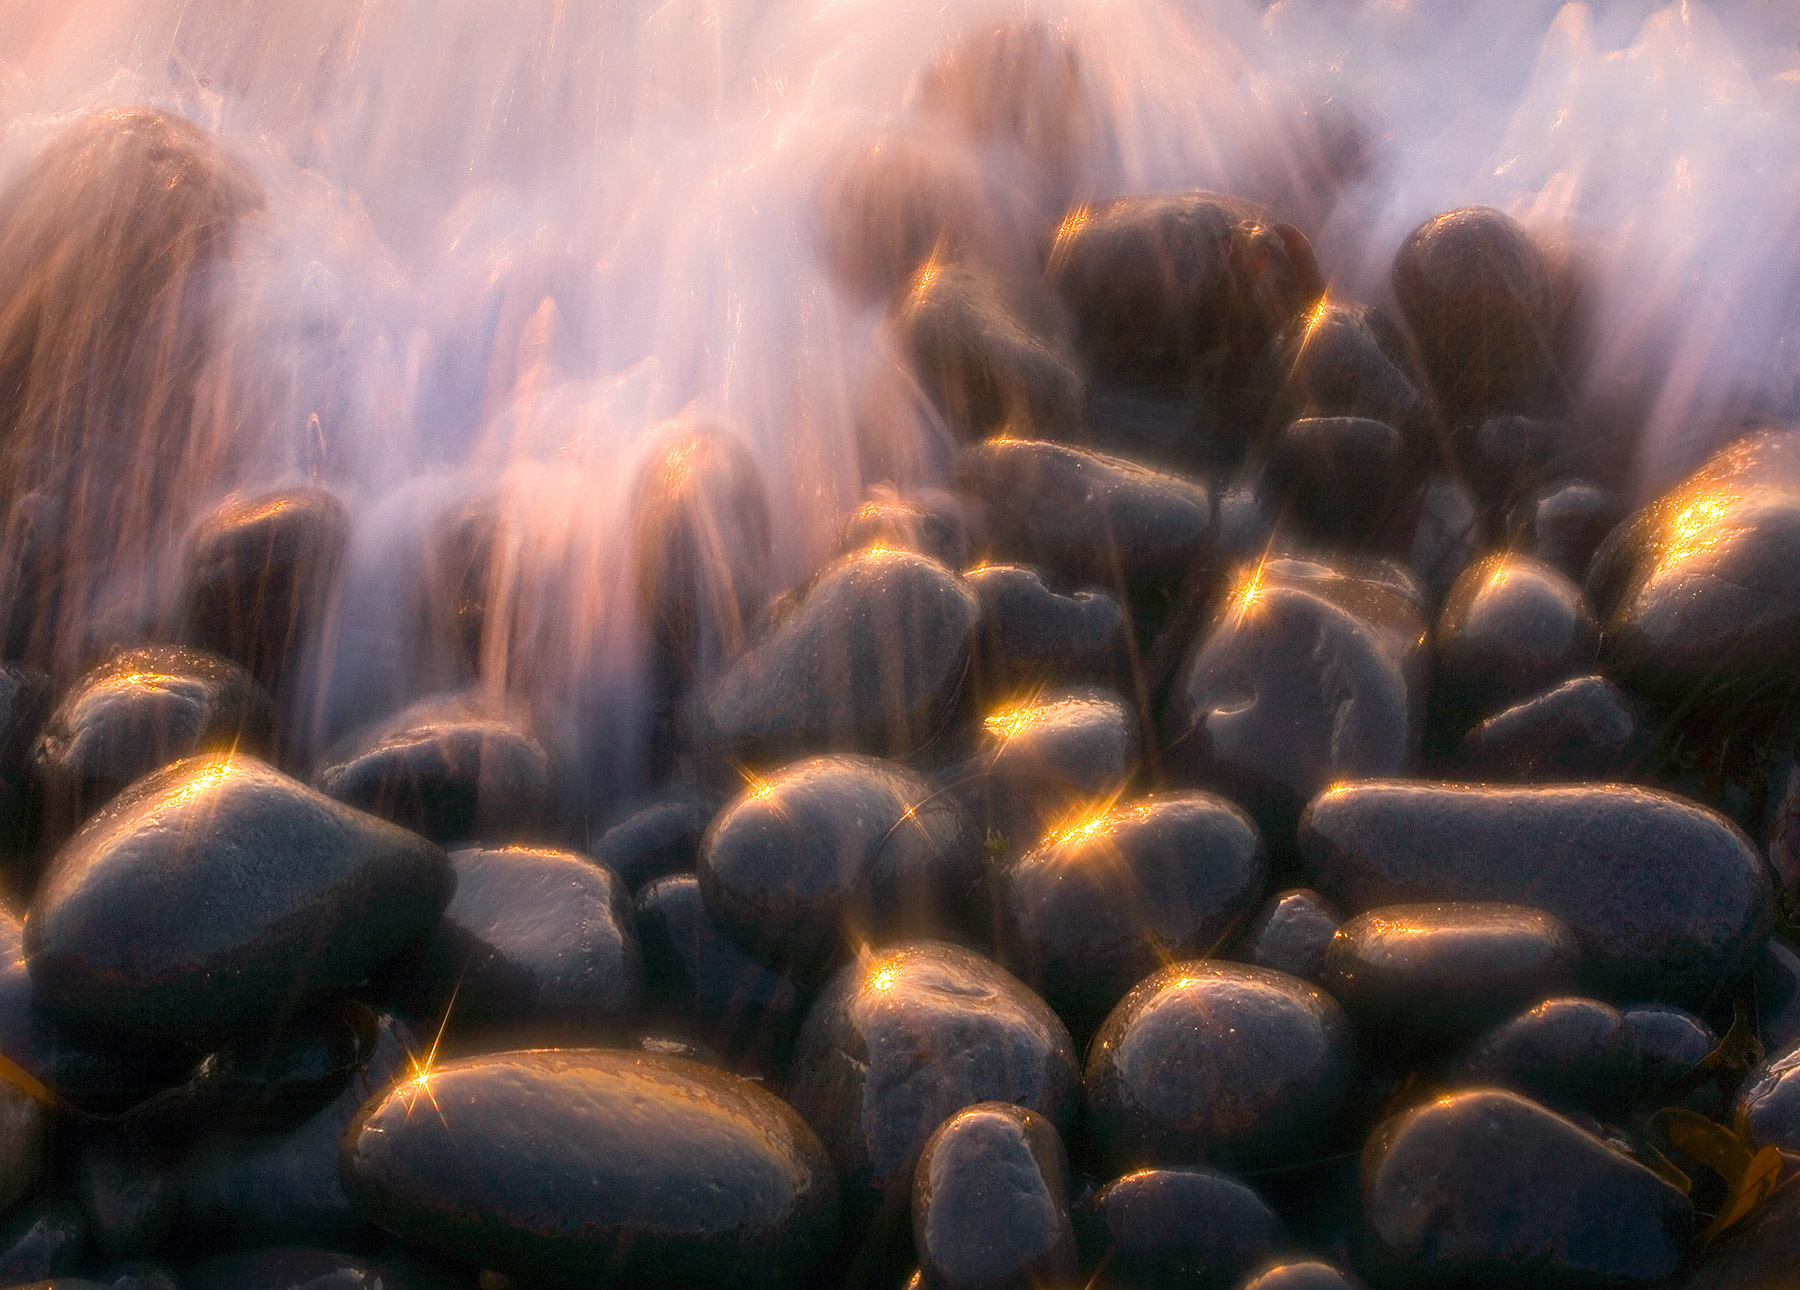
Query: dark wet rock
{"x":1488,"y":1189}
{"x":1477,"y":294}
{"x":837,"y":850}
{"x":675,"y":1046}
{"x":872,"y":658}
{"x":1084,"y":517}
{"x":244,"y":1187}
{"x":1569,"y":1053}
{"x":42,"y":1239}
{"x":1245,"y":523}
{"x":1179,"y":435}
{"x":457,"y":582}
{"x":1433,"y":976}
{"x":1101,"y":902}
{"x":1305,"y":1275}
{"x":655,"y":841}
{"x":24,"y":1122}
{"x":1503,"y":456}
{"x":1777,"y":983}
{"x":1758,"y":1253}
{"x":985,"y":363}
{"x":990,"y":1202}
{"x":449,"y":768}
{"x":535,"y":946}
{"x":1171,"y":289}
{"x":1337,"y":480}
{"x":1667,"y":898}
{"x":1044,"y":759}
{"x":583,"y":1167}
{"x":1584,"y":729}
{"x":1696,"y":593}
{"x":1030,"y":633}
{"x":1310,"y":673}
{"x":698,"y":979}
{"x":299,"y":1267}
{"x":1670,"y":1043}
{"x":1291,"y":934}
{"x":127,"y":1192}
{"x":1345,"y":360}
{"x":1446,"y":536}
{"x":260,"y":573}
{"x":1782,"y":807}
{"x":1563,"y":524}
{"x":929,"y":521}
{"x":1221,"y":1064}
{"x":895,"y":1045}
{"x":1194,"y":1228}
{"x":138,"y":1275}
{"x":1768,"y":1105}
{"x":25,"y":696}
{"x":139,"y":711}
{"x":1511,"y":628}
{"x":217,"y":895}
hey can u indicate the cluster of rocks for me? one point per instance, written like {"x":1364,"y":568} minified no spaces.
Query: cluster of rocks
{"x":1267,"y":819}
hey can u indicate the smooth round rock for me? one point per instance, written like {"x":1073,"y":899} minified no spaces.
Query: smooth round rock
{"x":1217,"y":1063}
{"x":656,"y":840}
{"x":990,"y":1202}
{"x":1193,"y":1228}
{"x":1101,"y":902}
{"x":1305,"y":1275}
{"x":1291,"y":934}
{"x":586,"y":1167}
{"x":1347,"y":360}
{"x":1487,"y":1189}
{"x":24,"y":1126}
{"x":1511,"y":628}
{"x":447,"y":767}
{"x":1777,"y":982}
{"x":1584,"y":729}
{"x":1670,"y":1042}
{"x":872,"y":658}
{"x":1445,"y":538}
{"x":1666,"y":897}
{"x":930,"y":521}
{"x":41,"y":1240}
{"x":1569,"y":1053}
{"x":1337,"y":480}
{"x":216,"y":896}
{"x":1436,"y":975}
{"x":1031,"y":633}
{"x":25,"y":699}
{"x":834,"y":850}
{"x":1503,"y":456}
{"x":1085,"y":517}
{"x":1768,"y":1105}
{"x":1565,"y":523}
{"x":895,"y":1045}
{"x":534,"y":945}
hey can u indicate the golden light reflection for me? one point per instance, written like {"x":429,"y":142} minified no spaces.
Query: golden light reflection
{"x":200,"y":783}
{"x":1014,"y":719}
{"x":1083,"y":822}
{"x":1695,"y":529}
{"x":883,"y":980}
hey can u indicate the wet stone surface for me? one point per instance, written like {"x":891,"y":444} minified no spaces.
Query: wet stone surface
{"x":1564,"y":524}
{"x":1769,"y":1105}
{"x":1217,"y":1063}
{"x":1446,"y":536}
{"x":1570,"y":1054}
{"x":1667,"y":898}
{"x":656,"y":840}
{"x":584,"y":1167}
{"x":1307,"y":1274}
{"x":1337,"y":480}
{"x":1488,"y":1189}
{"x":1181,"y":1227}
{"x":1348,"y":360}
{"x":1583,"y":729}
{"x":1032,"y":633}
{"x":1670,"y":1043}
{"x":1292,"y":933}
{"x":929,"y":521}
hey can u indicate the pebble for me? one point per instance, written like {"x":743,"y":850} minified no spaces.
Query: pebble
{"x":1194,"y":1228}
{"x":929,"y":521}
{"x":42,"y":1240}
{"x":1291,"y":934}
{"x":1564,"y":523}
{"x":1446,"y":537}
{"x":896,"y":1044}
{"x":1216,"y":1063}
{"x":1572,"y":1054}
{"x":873,"y":658}
{"x":655,"y":841}
{"x":1103,"y":901}
{"x":990,"y":1202}
{"x":216,"y":896}
{"x":1768,"y":1106}
{"x":1583,"y":729}
{"x":1031,"y":634}
{"x":1670,"y":1043}
{"x":1337,"y":480}
{"x":1306,"y":1275}
{"x":1666,"y":897}
{"x":1777,"y":986}
{"x":449,"y":767}
{"x":1503,"y":456}
{"x":587,"y":1167}
{"x":837,"y":849}
{"x":1347,"y":360}
{"x":1487,"y":1189}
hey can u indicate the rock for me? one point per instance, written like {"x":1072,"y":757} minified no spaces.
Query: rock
{"x":1306,"y":1275}
{"x":1584,"y":729}
{"x":655,"y":841}
{"x":25,"y":697}
{"x":1434,"y":976}
{"x":1445,"y":538}
{"x":1310,"y":673}
{"x":1503,"y":456}
{"x":697,"y":978}
{"x":457,"y":583}
{"x":1030,"y":633}
{"x":1757,"y":1253}
{"x":1511,"y":628}
{"x":1179,"y":436}
{"x":1170,"y":289}
{"x":990,"y":1202}
{"x":1670,"y":1043}
{"x":1083,"y":517}
{"x":43,"y":1239}
{"x":24,"y":1122}
{"x":1216,"y":1063}
{"x":1291,"y":934}
{"x":1768,"y":1106}
{"x":1099,"y":903}
{"x":126,"y":1190}
{"x":216,"y":896}
{"x":139,"y":711}
{"x":1666,"y":897}
{"x":1477,"y":294}
{"x":982,"y":361}
{"x":1777,"y":984}
{"x":873,"y":658}
{"x":1182,"y":1227}
{"x":1576,"y":1055}
{"x":1564,"y":523}
{"x":1342,"y":360}
{"x":896,"y":1044}
{"x":584,"y":1167}
{"x":535,"y":945}
{"x":837,"y":850}
{"x":1337,"y":480}
{"x":1695,"y":592}
{"x":930,"y":521}
{"x":260,"y":573}
{"x":448,"y":767}
{"x":1488,"y":1189}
